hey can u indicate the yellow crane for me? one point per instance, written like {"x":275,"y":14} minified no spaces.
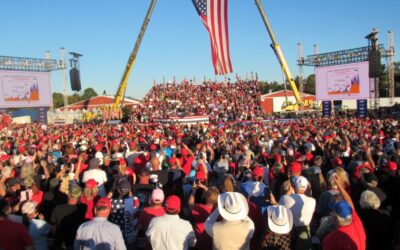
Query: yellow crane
{"x":281,"y":58}
{"x":132,"y":58}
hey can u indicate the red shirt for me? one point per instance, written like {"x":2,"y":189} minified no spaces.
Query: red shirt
{"x":347,"y":237}
{"x":14,"y":236}
{"x":200,"y":173}
{"x":187,"y":164}
{"x":90,"y":206}
{"x":148,"y":214}
{"x":38,"y":197}
{"x":200,"y":214}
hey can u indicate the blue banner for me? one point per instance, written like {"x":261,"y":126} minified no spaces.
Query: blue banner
{"x":362,"y":108}
{"x":326,"y":108}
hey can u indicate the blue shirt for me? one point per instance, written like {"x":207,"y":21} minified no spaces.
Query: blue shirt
{"x":99,"y":234}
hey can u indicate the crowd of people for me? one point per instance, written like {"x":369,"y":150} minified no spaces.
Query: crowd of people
{"x":303,"y":184}
{"x":221,"y":101}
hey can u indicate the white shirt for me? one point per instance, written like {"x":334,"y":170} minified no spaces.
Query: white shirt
{"x":302,"y":208}
{"x":97,"y":174}
{"x":170,"y":232}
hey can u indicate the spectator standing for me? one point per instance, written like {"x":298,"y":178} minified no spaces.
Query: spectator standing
{"x":13,"y":235}
{"x":377,"y":223}
{"x":169,"y":231}
{"x":280,"y":224}
{"x":66,"y":219}
{"x":90,"y":197}
{"x":96,"y":174}
{"x":200,"y":213}
{"x":155,"y":209}
{"x":236,"y":228}
{"x":38,"y":228}
{"x":302,"y":208}
{"x":99,"y":233}
{"x":350,"y":233}
{"x":124,"y":210}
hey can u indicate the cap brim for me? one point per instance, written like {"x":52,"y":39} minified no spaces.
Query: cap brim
{"x":284,"y":229}
{"x":232,"y":217}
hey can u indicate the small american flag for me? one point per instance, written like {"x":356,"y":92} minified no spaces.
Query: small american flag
{"x":214,"y":14}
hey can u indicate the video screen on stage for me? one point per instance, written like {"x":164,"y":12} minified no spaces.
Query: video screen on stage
{"x":339,"y":82}
{"x":25,"y":89}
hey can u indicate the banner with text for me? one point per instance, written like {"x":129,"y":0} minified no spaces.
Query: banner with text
{"x":341,"y":82}
{"x":25,"y":89}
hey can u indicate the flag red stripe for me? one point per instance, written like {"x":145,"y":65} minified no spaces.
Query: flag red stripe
{"x":212,"y":29}
{"x":227,"y":37}
{"x":215,"y":19}
{"x":221,"y":38}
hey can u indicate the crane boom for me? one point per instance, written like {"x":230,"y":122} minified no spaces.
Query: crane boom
{"x":279,"y":54}
{"x":132,"y":58}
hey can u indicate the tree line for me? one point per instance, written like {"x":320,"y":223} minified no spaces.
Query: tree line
{"x":58,"y":98}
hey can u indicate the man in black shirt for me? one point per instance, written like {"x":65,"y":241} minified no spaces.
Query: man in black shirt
{"x":66,"y":219}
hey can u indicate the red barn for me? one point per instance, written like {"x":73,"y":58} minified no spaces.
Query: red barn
{"x":99,"y":102}
{"x":272,"y":102}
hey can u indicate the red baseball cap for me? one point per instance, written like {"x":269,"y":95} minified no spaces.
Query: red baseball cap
{"x":153,"y":147}
{"x":258,"y":171}
{"x":22,"y":149}
{"x":122,"y":161}
{"x":173,"y":204}
{"x":298,"y":156}
{"x":99,"y":147}
{"x":91,"y":183}
{"x":392,"y":166}
{"x":172,"y":160}
{"x":337,"y":161}
{"x":5,"y":157}
{"x":132,"y":145}
{"x":103,"y":202}
{"x":309,"y":156}
{"x":295,"y":167}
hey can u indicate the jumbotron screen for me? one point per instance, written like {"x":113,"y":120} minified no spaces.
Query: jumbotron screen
{"x":25,"y":89}
{"x":343,"y":82}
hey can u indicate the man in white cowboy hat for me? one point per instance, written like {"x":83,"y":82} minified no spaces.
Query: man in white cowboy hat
{"x":236,"y":229}
{"x":280,"y":224}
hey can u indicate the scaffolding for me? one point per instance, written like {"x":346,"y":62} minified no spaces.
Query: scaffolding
{"x":28,"y":64}
{"x":355,"y":55}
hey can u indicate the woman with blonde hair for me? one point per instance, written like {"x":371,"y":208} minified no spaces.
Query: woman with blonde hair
{"x":90,"y":197}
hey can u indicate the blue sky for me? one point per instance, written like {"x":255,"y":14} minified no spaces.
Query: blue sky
{"x":177,"y":44}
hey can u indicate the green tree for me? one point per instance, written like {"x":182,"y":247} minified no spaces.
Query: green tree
{"x":73,"y":98}
{"x":397,"y":78}
{"x":58,"y":100}
{"x":88,"y":93}
{"x":309,"y":84}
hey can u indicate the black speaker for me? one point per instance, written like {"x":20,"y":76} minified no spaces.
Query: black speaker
{"x":375,"y":66}
{"x":75,"y":79}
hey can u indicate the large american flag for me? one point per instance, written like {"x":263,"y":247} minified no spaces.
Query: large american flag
{"x":214,"y":14}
